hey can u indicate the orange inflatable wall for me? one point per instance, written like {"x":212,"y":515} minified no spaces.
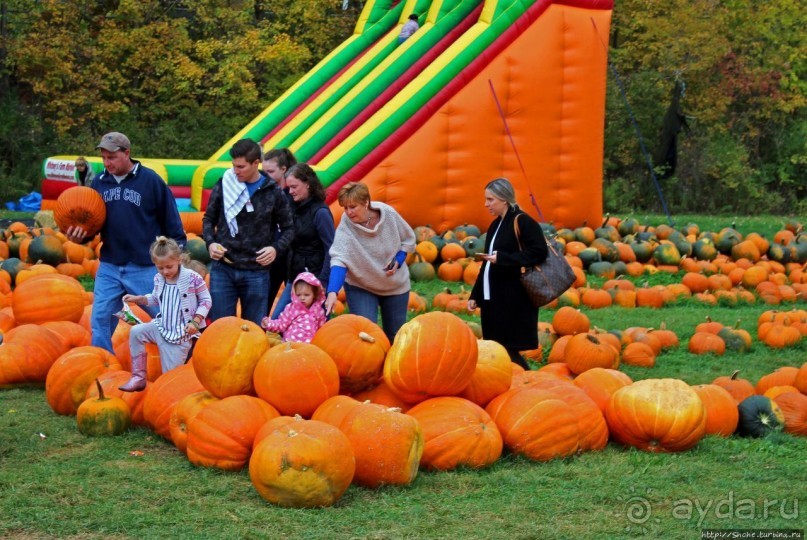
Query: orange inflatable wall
{"x":551,"y":85}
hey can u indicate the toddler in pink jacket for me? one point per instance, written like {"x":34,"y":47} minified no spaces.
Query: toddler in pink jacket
{"x":304,"y":315}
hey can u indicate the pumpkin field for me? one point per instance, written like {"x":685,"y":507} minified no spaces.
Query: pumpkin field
{"x":668,"y":396}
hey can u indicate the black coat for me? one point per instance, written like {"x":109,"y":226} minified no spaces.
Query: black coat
{"x":509,"y":317}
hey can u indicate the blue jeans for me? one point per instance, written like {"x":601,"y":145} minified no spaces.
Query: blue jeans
{"x":365,"y":304}
{"x":228,"y":285}
{"x":111,"y":283}
{"x":283,"y":301}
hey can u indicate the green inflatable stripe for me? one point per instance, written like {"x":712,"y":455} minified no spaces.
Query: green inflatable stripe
{"x":319,"y":75}
{"x":396,"y":118}
{"x":451,"y":14}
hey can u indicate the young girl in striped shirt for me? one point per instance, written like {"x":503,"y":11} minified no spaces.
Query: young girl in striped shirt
{"x":184,"y":301}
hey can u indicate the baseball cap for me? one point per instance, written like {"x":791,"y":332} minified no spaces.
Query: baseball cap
{"x":114,"y":141}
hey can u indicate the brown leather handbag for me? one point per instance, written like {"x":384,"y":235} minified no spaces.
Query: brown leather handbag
{"x":547,"y":280}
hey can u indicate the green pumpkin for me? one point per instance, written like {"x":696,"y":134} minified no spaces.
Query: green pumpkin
{"x":642,"y":250}
{"x":779,"y":253}
{"x":603,"y":269}
{"x":566,"y":234}
{"x":589,"y":256}
{"x":469,"y":230}
{"x":727,"y":239}
{"x":620,"y":268}
{"x":798,"y":251}
{"x":607,"y":249}
{"x":667,"y":254}
{"x":548,"y":229}
{"x":627,"y":226}
{"x":472,"y":246}
{"x":14,"y":242}
{"x":704,"y":249}
{"x":103,"y":416}
{"x":46,"y":248}
{"x":12,"y":265}
{"x":197,"y":249}
{"x":421,"y":271}
{"x":759,"y":416}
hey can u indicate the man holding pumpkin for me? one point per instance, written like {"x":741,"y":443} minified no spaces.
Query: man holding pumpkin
{"x":139,"y":208}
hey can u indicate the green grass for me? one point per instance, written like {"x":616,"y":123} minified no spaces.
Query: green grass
{"x":70,"y":485}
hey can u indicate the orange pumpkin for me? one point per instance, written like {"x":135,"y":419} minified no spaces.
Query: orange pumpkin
{"x":492,"y":375}
{"x":737,"y":387}
{"x":333,"y":410}
{"x":534,"y":423}
{"x":639,"y":354}
{"x":165,"y":393}
{"x":358,"y":347}
{"x":71,"y":334}
{"x":434,"y":354}
{"x":600,"y":384}
{"x":221,"y":434}
{"x":794,"y":408}
{"x":585,"y":351}
{"x":722,"y":414}
{"x":784,"y":376}
{"x":27,"y":354}
{"x":800,"y":381}
{"x":80,"y":206}
{"x":569,"y":321}
{"x":456,"y":433}
{"x":226,"y":355}
{"x":387,"y":445}
{"x":301,"y":463}
{"x":48,"y":297}
{"x":72,"y":373}
{"x":187,"y":408}
{"x":705,"y":342}
{"x":296,"y":378}
{"x":657,"y":415}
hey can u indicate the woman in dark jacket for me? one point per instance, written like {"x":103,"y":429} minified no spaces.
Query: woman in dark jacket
{"x":508,"y":316}
{"x":313,"y":230}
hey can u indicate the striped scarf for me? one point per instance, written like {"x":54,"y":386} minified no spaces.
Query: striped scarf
{"x":235,"y":197}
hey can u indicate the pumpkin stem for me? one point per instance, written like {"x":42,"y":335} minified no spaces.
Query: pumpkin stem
{"x":298,"y":417}
{"x":292,"y":433}
{"x":605,"y":222}
{"x":245,"y":328}
{"x":734,"y":375}
{"x":593,"y":339}
{"x":737,"y":324}
{"x":392,"y":409}
{"x":364,"y":336}
{"x":101,"y":396}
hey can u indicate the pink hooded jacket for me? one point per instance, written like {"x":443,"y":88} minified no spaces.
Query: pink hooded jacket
{"x":297,"y":322}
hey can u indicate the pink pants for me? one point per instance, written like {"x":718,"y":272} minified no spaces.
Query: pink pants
{"x":172,"y":355}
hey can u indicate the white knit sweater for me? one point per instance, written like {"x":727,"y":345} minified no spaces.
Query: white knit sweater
{"x":365,"y":252}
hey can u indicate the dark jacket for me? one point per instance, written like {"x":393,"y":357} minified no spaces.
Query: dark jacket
{"x":313,"y":236}
{"x":138,"y":209}
{"x":256,"y":229}
{"x":509,"y":317}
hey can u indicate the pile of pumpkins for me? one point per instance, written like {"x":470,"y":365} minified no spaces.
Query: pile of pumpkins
{"x":436,"y":398}
{"x":722,"y":267}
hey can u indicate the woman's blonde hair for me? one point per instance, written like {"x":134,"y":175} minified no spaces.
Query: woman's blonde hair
{"x":164,"y":247}
{"x":501,"y":188}
{"x":354,"y":192}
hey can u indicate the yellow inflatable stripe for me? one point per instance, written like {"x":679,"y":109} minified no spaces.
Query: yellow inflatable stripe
{"x":403,"y":96}
{"x":354,"y":92}
{"x":346,"y":76}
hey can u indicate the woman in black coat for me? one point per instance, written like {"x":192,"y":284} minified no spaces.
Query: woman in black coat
{"x":508,"y":316}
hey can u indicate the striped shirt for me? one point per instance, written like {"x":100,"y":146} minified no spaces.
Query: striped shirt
{"x":170,"y":320}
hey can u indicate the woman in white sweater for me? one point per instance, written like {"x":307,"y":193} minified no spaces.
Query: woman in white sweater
{"x":367,"y":256}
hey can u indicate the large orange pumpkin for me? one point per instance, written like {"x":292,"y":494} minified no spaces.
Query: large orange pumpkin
{"x":164,"y":395}
{"x":27,"y":354}
{"x":382,"y":395}
{"x":71,"y":375}
{"x":221,"y":434}
{"x":721,"y":409}
{"x":492,"y":375}
{"x":434,"y":354}
{"x":456,"y":433}
{"x":737,"y":387}
{"x":301,"y":463}
{"x":387,"y":444}
{"x":48,"y":297}
{"x":535,"y":423}
{"x":80,"y":206}
{"x":183,"y":413}
{"x":358,"y":346}
{"x":334,"y":410}
{"x":784,"y":376}
{"x":225,"y":356}
{"x":601,"y":383}
{"x":657,"y":415}
{"x":296,"y":378}
{"x":800,"y":381}
{"x":70,"y":333}
{"x":569,"y":321}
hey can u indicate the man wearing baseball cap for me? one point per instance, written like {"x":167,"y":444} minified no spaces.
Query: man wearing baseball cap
{"x":139,"y":208}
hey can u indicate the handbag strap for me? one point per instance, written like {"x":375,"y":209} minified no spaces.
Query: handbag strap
{"x":518,"y":236}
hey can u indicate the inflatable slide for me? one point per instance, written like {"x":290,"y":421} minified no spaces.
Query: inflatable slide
{"x":485,"y":88}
